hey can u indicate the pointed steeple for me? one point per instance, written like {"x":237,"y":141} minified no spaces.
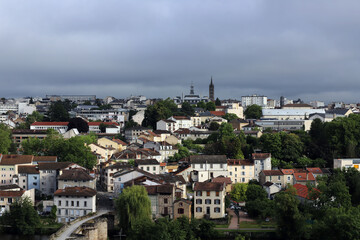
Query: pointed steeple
{"x":211,"y":91}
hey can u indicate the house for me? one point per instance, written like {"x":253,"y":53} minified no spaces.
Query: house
{"x":185,"y":172}
{"x":61,"y":127}
{"x":132,"y":133}
{"x":107,"y":176}
{"x":149,"y":165}
{"x":240,"y":171}
{"x":347,"y":163}
{"x":184,"y":121}
{"x":29,"y":177}
{"x":9,"y":164}
{"x":274,"y":176}
{"x":117,"y":144}
{"x":104,"y":152}
{"x":304,"y":178}
{"x":262,"y":161}
{"x":206,"y":167}
{"x":74,"y":202}
{"x":167,"y":125}
{"x":76,"y":178}
{"x":49,"y":173}
{"x":288,"y":176}
{"x":176,"y":180}
{"x":11,"y":193}
{"x":162,"y":199}
{"x":165,"y":149}
{"x":315,"y":171}
{"x":238,"y":124}
{"x":110,"y":127}
{"x":303,"y":194}
{"x":271,"y":189}
{"x":182,"y":207}
{"x":209,"y":200}
{"x":225,"y":180}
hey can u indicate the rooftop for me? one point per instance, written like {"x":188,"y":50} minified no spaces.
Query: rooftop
{"x":76,"y":191}
{"x":208,"y":186}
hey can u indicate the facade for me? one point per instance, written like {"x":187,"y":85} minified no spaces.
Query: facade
{"x":19,"y":135}
{"x":74,"y":202}
{"x":206,"y":167}
{"x":29,"y":177}
{"x":254,"y":99}
{"x":11,"y":193}
{"x":76,"y":178}
{"x":290,"y":114}
{"x":281,"y":125}
{"x":163,"y":197}
{"x":262,"y":161}
{"x":240,"y":171}
{"x":107,"y":178}
{"x":9,"y":166}
{"x":191,"y":98}
{"x":131,"y":134}
{"x":209,"y":200}
{"x":347,"y":163}
{"x":274,"y":176}
{"x":167,"y":125}
{"x":149,"y":165}
{"x":182,"y":207}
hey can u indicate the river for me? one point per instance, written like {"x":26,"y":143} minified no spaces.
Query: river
{"x":5,"y":236}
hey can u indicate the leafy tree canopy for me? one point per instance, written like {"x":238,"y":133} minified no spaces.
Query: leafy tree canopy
{"x":253,"y":112}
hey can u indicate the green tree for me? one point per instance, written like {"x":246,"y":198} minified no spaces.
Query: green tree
{"x":34,"y":117}
{"x":230,"y":116}
{"x":57,"y":112}
{"x":253,"y":112}
{"x":210,"y":106}
{"x":217,"y":102}
{"x":187,"y":109}
{"x":201,"y":104}
{"x":22,"y":217}
{"x":80,"y":124}
{"x":254,"y":192}
{"x":271,"y":143}
{"x":102,"y":127}
{"x":5,"y":139}
{"x":160,"y":110}
{"x":53,"y":213}
{"x":214,"y":126}
{"x":133,"y":205}
{"x":238,"y":192}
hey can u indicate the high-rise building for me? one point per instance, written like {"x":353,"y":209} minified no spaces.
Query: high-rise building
{"x":211,"y":91}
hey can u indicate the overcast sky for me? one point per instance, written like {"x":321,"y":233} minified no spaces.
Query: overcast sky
{"x":299,"y":49}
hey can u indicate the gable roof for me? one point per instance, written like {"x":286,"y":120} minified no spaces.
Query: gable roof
{"x":54,"y":166}
{"x":29,"y":169}
{"x":272,"y":172}
{"x":304,"y":177}
{"x":119,"y":142}
{"x":208,"y":186}
{"x":76,"y":191}
{"x":218,"y":113}
{"x":160,"y":189}
{"x":75,"y":174}
{"x":314,"y":170}
{"x":220,"y":179}
{"x":287,"y":171}
{"x":13,"y":159}
{"x":260,"y":156}
{"x":303,"y":191}
{"x":146,"y":162}
{"x":208,"y":159}
{"x":12,"y":193}
{"x":45,"y":158}
{"x":244,"y":162}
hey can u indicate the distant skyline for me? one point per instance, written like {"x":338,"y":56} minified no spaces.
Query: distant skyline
{"x":296,"y":49}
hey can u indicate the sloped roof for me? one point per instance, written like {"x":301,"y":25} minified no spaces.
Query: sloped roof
{"x":295,"y":105}
{"x":9,"y":186}
{"x":75,"y":174}
{"x":119,"y":142}
{"x":45,"y":158}
{"x":218,"y":113}
{"x":304,"y":177}
{"x":29,"y":169}
{"x":76,"y":191}
{"x":146,"y":162}
{"x":208,"y":159}
{"x":11,"y":193}
{"x":160,"y":189}
{"x":244,"y":162}
{"x":260,"y":156}
{"x":225,"y":180}
{"x":314,"y":170}
{"x":12,"y":159}
{"x":272,"y":172}
{"x":303,"y":191}
{"x":287,"y":171}
{"x":54,"y":166}
{"x":208,"y":186}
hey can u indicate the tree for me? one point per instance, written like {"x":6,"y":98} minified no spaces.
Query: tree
{"x":102,"y":127}
{"x":254,"y":192}
{"x":214,"y":126}
{"x":253,"y":112}
{"x":238,"y":192}
{"x":5,"y":139}
{"x":201,"y":104}
{"x":22,"y":217}
{"x":187,"y":109}
{"x":34,"y":117}
{"x":160,"y":110}
{"x":132,"y":206}
{"x":53,"y":213}
{"x":230,"y":116}
{"x":57,"y":112}
{"x":80,"y":124}
{"x":217,"y":102}
{"x":210,"y":106}
{"x":271,"y":143}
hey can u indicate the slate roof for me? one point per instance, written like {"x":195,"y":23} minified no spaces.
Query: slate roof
{"x":75,"y":174}
{"x":208,"y":159}
{"x":76,"y":191}
{"x":208,"y":186}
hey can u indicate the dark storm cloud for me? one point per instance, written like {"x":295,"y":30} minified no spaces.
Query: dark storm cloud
{"x":157,"y":48}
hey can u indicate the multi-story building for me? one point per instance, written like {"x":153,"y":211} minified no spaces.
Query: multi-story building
{"x":240,"y":171}
{"x":131,"y":134}
{"x":205,"y":167}
{"x":9,"y":167}
{"x":149,"y":165}
{"x":74,"y":202}
{"x":347,"y":163}
{"x":76,"y":178}
{"x":108,"y":175}
{"x":29,"y":177}
{"x":62,"y":127}
{"x":11,"y":193}
{"x":162,"y":199}
{"x":274,"y":176}
{"x":254,"y":99}
{"x":182,"y":207}
{"x":262,"y":161}
{"x":209,"y":200}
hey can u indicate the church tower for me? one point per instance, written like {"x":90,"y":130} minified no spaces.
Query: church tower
{"x":211,"y":91}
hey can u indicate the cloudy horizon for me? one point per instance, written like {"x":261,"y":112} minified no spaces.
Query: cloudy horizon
{"x":295,"y":49}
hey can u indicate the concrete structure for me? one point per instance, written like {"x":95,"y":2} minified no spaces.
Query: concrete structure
{"x":76,"y":178}
{"x":182,"y":207}
{"x":205,"y":167}
{"x":254,"y":99}
{"x":289,"y":114}
{"x":281,"y":125}
{"x":162,"y":199}
{"x":74,"y":202}
{"x":240,"y":171}
{"x":209,"y":200}
{"x":347,"y":163}
{"x":262,"y":161}
{"x":149,"y":165}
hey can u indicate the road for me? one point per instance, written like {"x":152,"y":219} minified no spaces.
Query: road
{"x":70,"y":229}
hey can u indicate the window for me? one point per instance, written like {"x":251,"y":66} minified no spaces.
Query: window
{"x":217,"y":209}
{"x":66,"y":212}
{"x":9,"y":200}
{"x":201,"y":165}
{"x":23,"y":180}
{"x":221,"y":165}
{"x":230,"y":173}
{"x":147,"y":168}
{"x":165,"y":200}
{"x":243,"y":173}
{"x":211,"y":165}
{"x":288,"y":178}
{"x":198,"y":209}
{"x":35,"y":178}
{"x":154,"y":168}
{"x":67,"y":203}
{"x":72,"y":203}
{"x":59,"y":203}
{"x":198,"y":193}
{"x":180,"y":211}
{"x":85,"y":204}
{"x":279,"y":178}
{"x":207,"y":201}
{"x":59,"y":211}
{"x":217,"y":193}
{"x":217,"y":201}
{"x":2,"y":199}
{"x":243,"y":167}
{"x":198,"y":201}
{"x":77,"y":203}
{"x":243,"y":179}
{"x":35,"y":183}
{"x":208,"y":193}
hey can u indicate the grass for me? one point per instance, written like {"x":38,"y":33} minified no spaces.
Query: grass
{"x":47,"y":222}
{"x":257,"y":224}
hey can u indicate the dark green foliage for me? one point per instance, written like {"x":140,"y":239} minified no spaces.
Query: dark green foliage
{"x":214,"y":126}
{"x":53,"y":213}
{"x":58,"y":111}
{"x":160,"y":110}
{"x":230,"y":116}
{"x":70,"y":150}
{"x":253,"y":112}
{"x":238,"y":192}
{"x":102,"y":127}
{"x":210,"y":106}
{"x":201,"y":105}
{"x":187,"y":109}
{"x":217,"y":102}
{"x":5,"y":139}
{"x":22,"y":217}
{"x":80,"y":124}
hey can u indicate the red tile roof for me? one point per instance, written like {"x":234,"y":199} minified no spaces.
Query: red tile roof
{"x":304,"y":177}
{"x":261,"y":155}
{"x":76,"y":191}
{"x":11,"y":193}
{"x":218,"y":113}
{"x":120,"y":142}
{"x":272,"y":172}
{"x":303,"y":191}
{"x":314,"y":170}
{"x":106,"y":123}
{"x":240,"y":162}
{"x":225,"y":180}
{"x":287,"y":171}
{"x":13,"y":159}
{"x":181,"y":118}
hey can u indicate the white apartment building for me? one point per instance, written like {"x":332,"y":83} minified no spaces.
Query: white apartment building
{"x":205,"y":167}
{"x":254,"y":99}
{"x":74,"y":202}
{"x":262,"y":161}
{"x":240,"y":171}
{"x":347,"y":163}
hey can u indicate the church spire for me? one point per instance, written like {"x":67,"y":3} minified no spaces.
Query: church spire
{"x":211,"y":91}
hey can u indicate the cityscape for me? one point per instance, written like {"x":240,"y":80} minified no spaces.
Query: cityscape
{"x":179,"y":120}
